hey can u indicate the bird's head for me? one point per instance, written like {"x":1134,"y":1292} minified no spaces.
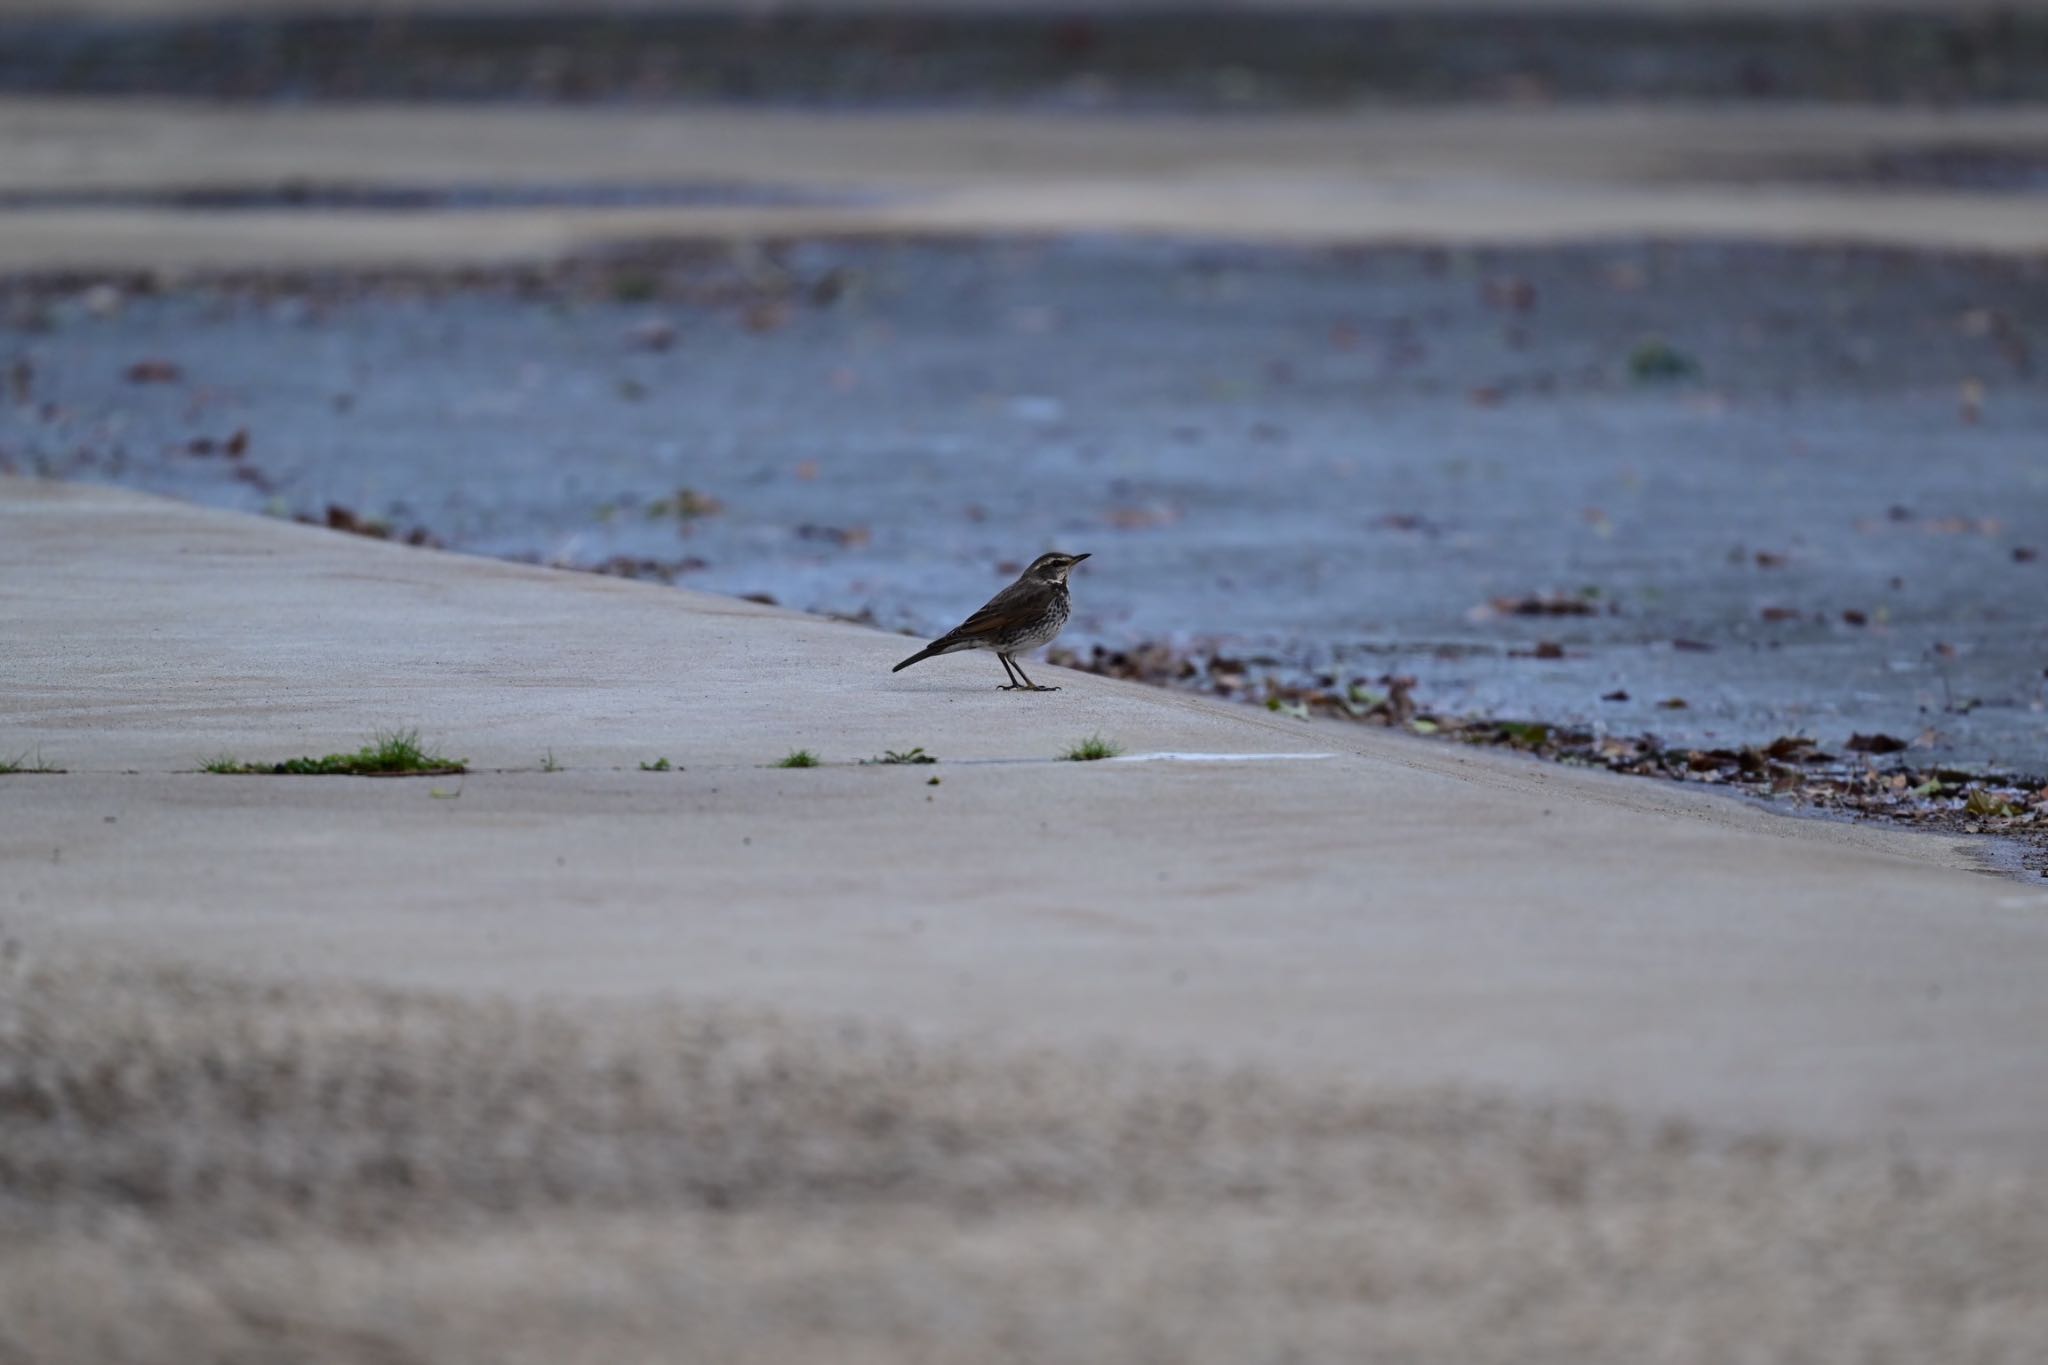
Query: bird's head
{"x":1053,"y":567}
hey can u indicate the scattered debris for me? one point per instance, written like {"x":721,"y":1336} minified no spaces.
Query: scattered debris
{"x":153,"y":372}
{"x":339,"y":518}
{"x":643,"y":567}
{"x":234,"y":447}
{"x":1792,"y":768}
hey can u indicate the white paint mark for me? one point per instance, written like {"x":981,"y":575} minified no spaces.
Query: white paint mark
{"x":1210,"y":758}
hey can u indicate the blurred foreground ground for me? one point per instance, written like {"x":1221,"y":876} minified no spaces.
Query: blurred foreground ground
{"x":198,"y":1171}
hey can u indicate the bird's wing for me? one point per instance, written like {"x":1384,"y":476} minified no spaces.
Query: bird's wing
{"x":1011,"y":609}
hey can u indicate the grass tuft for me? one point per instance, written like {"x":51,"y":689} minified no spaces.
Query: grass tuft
{"x":660,"y":765}
{"x":799,"y":758}
{"x":548,"y":764}
{"x":917,"y":755}
{"x":1092,"y":748}
{"x":1658,"y":361}
{"x":393,"y":753}
{"x":22,"y":763}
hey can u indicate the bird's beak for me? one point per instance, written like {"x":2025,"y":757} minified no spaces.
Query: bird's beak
{"x":1079,"y":558}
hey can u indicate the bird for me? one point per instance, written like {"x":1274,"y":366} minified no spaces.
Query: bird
{"x":1020,"y":618}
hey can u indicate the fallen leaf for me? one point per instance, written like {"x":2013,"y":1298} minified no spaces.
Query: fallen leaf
{"x":1626,"y":277}
{"x":1982,"y":802}
{"x":1853,"y":617}
{"x":1616,"y":695}
{"x":2024,"y":554}
{"x":1692,"y":646}
{"x":1794,"y":749}
{"x":1970,"y":401}
{"x":686,"y":505}
{"x":1657,"y":361}
{"x":1141,"y":518}
{"x":767,"y":316}
{"x":845,"y":537}
{"x":1781,"y":613}
{"x":1547,"y":604}
{"x":154,"y":372}
{"x":1876,"y":744}
{"x":1673,"y":704}
{"x":652,"y":334}
{"x":1509,"y":292}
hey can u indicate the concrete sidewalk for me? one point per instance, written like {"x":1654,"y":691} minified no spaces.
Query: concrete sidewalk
{"x":1460,"y":175}
{"x":1394,"y":911}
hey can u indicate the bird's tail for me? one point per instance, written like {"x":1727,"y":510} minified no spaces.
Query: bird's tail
{"x":918,"y":657}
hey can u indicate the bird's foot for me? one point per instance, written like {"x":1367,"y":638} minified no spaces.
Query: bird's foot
{"x":1041,"y":687}
{"x":1010,"y":687}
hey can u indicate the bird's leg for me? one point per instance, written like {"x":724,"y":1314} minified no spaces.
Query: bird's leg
{"x":1009,"y":671}
{"x":1029,"y":685}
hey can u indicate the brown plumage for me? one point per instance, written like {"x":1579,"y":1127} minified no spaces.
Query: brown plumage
{"x":1022,"y":617}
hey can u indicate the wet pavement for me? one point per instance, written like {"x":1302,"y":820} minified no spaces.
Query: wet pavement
{"x":1797,"y":490}
{"x":1266,"y":57}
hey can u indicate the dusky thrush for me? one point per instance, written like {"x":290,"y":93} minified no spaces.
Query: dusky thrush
{"x":1022,"y":617}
